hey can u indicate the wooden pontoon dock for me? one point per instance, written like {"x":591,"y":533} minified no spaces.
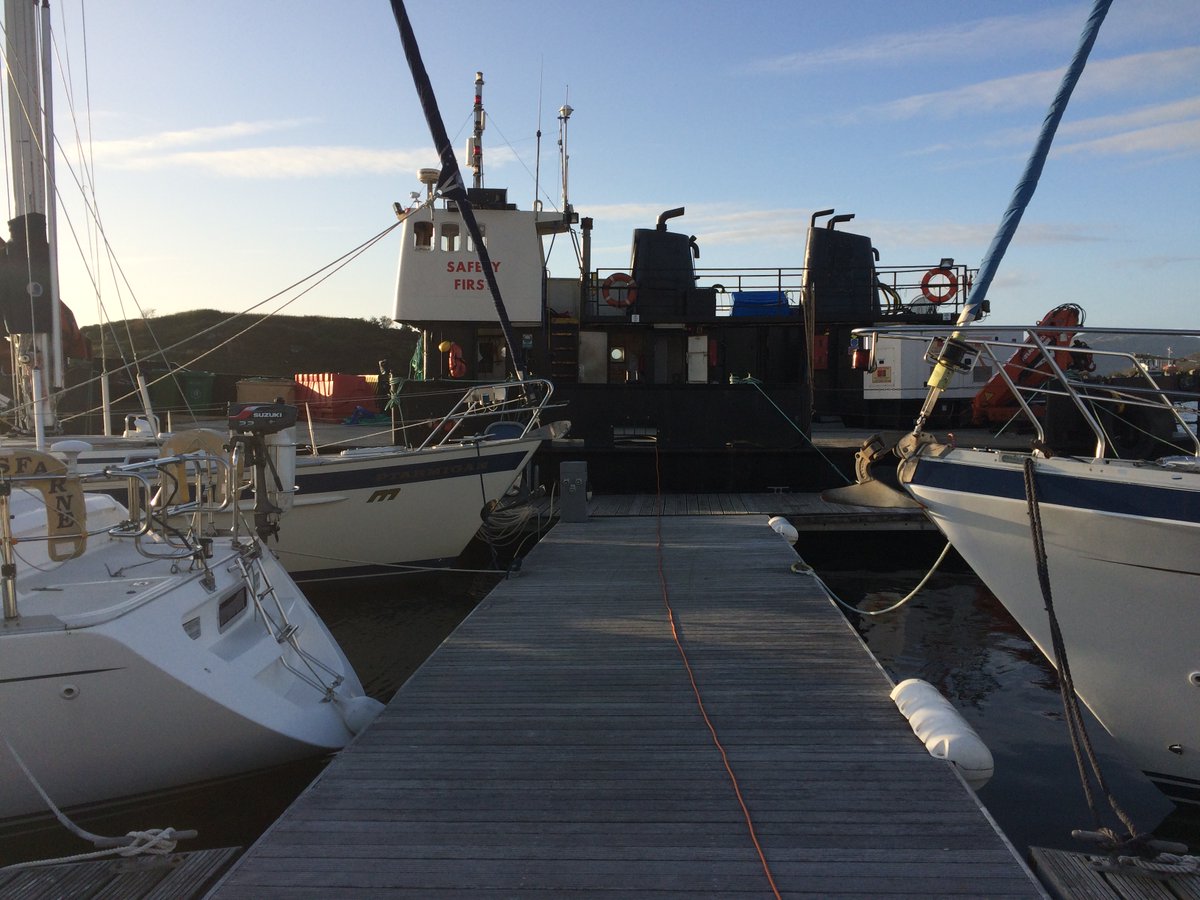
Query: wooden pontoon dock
{"x":554,"y":746}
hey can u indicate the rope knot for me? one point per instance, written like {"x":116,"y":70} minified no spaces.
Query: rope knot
{"x":154,"y":842}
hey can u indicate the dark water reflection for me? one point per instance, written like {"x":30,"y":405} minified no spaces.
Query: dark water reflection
{"x":958,"y":637}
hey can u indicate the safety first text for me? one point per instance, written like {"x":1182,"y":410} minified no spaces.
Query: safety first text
{"x":470,"y":284}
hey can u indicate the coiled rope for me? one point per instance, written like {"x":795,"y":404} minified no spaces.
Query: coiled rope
{"x":666,"y":596}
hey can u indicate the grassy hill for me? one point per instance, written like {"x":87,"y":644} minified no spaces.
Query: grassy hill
{"x":279,"y":346}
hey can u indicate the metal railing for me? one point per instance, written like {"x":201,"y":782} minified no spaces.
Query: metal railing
{"x":1139,"y":385}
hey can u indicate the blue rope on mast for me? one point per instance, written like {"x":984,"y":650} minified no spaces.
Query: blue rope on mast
{"x":1033,"y":168}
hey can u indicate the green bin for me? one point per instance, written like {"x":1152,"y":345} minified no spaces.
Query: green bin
{"x":197,"y":389}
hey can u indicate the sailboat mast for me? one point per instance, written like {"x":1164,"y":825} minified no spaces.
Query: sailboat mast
{"x":26,"y":280}
{"x":51,"y":202}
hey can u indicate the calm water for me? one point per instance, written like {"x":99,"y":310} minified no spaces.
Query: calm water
{"x":954,"y":635}
{"x":958,"y":637}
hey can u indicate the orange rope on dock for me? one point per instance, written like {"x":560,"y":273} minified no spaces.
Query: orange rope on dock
{"x":662,"y":580}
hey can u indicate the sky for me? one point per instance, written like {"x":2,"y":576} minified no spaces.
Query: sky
{"x":236,"y":148}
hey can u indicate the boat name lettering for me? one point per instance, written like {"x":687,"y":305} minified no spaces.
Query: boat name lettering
{"x":380,"y":496}
{"x":20,"y":464}
{"x":66,"y":515}
{"x":445,"y":470}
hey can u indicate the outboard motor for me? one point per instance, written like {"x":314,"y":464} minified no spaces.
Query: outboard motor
{"x":266,"y":434}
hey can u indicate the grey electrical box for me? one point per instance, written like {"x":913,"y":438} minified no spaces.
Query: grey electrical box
{"x":572,"y":492}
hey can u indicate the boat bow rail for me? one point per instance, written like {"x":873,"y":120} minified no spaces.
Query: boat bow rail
{"x":509,"y":409}
{"x":1086,"y":399}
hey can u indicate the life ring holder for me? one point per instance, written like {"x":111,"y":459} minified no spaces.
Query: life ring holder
{"x":615,"y":283}
{"x":949,"y":290}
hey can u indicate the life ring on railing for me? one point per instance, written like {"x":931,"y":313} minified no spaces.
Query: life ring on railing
{"x":623,"y":290}
{"x":66,"y":514}
{"x":949,"y":289}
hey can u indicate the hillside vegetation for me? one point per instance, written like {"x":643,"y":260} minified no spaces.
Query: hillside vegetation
{"x":279,"y":346}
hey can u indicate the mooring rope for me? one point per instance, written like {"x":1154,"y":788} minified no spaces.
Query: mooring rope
{"x":749,"y":379}
{"x":666,"y":596}
{"x":1085,"y":755}
{"x":151,"y":842}
{"x":802,"y":568}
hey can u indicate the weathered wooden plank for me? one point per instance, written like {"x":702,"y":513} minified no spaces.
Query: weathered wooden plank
{"x":176,"y":876}
{"x":1084,"y":876}
{"x":553,"y":745}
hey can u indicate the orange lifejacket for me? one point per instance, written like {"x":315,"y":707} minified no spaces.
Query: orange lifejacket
{"x":455,"y":362}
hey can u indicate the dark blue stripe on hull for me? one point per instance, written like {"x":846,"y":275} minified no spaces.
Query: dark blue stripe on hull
{"x":316,"y":482}
{"x":1120,"y":497}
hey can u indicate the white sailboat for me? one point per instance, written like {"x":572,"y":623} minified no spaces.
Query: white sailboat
{"x":1091,"y":539}
{"x":1119,"y":522}
{"x":146,"y":648}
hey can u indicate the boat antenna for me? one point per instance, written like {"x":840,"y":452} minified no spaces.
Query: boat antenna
{"x":564,"y":113}
{"x":537,"y":157}
{"x":954,"y":352}
{"x":450,"y":182}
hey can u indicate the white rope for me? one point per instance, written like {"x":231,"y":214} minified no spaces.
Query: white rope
{"x":1165,"y":863}
{"x":155,"y":842}
{"x":152,"y":842}
{"x":803,"y":568}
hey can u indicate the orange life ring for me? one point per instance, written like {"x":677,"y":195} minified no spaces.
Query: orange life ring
{"x":617,"y":282}
{"x":949,"y":291}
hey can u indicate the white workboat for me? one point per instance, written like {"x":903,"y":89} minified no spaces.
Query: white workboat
{"x":146,"y":648}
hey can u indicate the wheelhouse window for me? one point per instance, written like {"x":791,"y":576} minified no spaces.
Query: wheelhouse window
{"x":423,"y":235}
{"x":471,"y":248}
{"x":451,"y":238}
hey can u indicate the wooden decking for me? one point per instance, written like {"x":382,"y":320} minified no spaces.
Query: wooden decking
{"x":176,"y":876}
{"x":553,"y":746}
{"x":804,"y":510}
{"x":1089,"y":877}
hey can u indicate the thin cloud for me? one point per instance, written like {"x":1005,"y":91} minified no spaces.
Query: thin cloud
{"x":167,"y":140}
{"x":287,"y":162}
{"x":1172,"y":138}
{"x":170,"y":149}
{"x":998,"y":36}
{"x":1134,"y":72}
{"x":968,"y":40}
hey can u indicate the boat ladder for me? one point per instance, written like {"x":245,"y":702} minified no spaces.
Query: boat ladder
{"x":272,"y":614}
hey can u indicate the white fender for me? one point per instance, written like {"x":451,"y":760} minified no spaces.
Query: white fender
{"x":943,"y":730}
{"x":782,"y":526}
{"x":357,"y":712}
